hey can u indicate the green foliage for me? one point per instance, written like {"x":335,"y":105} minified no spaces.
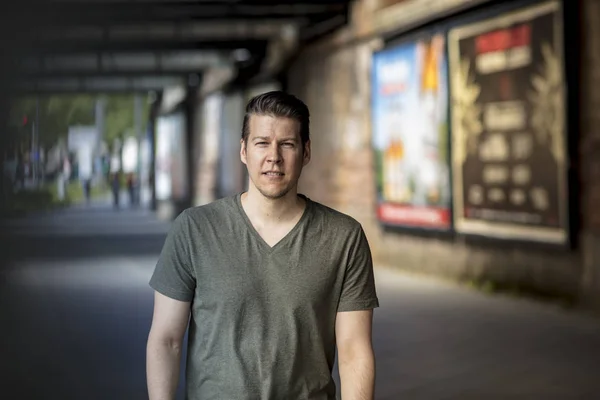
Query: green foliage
{"x":58,"y":112}
{"x":120,"y":118}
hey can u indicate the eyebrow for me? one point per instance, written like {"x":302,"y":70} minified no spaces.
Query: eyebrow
{"x":290,"y":139}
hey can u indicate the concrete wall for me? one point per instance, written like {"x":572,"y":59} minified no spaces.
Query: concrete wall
{"x":590,"y":148}
{"x":333,"y":77}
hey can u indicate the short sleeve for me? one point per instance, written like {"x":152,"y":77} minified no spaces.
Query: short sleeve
{"x":358,"y":290}
{"x":173,"y":275}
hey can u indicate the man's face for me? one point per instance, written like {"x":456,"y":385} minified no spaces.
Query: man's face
{"x":274,"y":154}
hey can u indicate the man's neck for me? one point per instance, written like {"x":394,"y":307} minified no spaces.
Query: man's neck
{"x":272,"y":211}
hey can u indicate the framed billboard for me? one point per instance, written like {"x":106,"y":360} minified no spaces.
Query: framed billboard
{"x":508,"y":112}
{"x":410,"y":134}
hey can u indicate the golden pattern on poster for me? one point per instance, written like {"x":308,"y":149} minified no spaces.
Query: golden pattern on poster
{"x":548,"y":113}
{"x":467,"y":112}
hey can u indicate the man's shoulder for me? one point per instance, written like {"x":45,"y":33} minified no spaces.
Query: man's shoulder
{"x":215,"y":210}
{"x":335,"y":219}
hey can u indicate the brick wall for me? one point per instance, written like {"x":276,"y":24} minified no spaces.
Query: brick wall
{"x":334,"y":78}
{"x":336,"y":90}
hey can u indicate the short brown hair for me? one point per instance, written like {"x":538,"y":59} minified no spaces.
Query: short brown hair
{"x":278,"y":104}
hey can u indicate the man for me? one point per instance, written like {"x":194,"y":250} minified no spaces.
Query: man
{"x":273,"y":282}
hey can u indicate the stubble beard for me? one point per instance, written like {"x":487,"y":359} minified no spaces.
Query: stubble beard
{"x":274,"y":195}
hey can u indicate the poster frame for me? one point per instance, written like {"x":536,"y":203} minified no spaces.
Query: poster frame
{"x":494,"y":230}
{"x":389,"y":44}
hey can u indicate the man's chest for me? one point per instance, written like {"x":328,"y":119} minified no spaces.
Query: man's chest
{"x":289,"y":277}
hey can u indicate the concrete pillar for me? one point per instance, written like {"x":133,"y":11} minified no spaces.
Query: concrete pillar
{"x":590,"y":149}
{"x":231,"y":176}
{"x":209,"y":149}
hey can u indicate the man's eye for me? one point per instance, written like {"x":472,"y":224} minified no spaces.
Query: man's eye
{"x":261,"y":143}
{"x":289,"y":144}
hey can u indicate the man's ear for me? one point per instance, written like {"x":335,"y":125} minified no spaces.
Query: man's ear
{"x":306,"y":159}
{"x":243,"y":151}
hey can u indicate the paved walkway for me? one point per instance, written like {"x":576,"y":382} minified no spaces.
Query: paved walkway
{"x":439,"y":341}
{"x":74,"y":325}
{"x":99,"y":217}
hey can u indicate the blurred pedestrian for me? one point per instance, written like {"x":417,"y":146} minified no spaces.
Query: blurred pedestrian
{"x":116,"y":188}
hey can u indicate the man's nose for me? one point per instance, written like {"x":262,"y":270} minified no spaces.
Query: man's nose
{"x":274,"y":153}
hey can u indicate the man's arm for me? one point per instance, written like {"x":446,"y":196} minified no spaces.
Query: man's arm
{"x":356,"y":360}
{"x":163,"y":351}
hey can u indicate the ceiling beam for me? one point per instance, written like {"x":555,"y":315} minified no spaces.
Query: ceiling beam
{"x":98,"y":84}
{"x":188,"y":30}
{"x":57,"y":47}
{"x":65,"y":13}
{"x":221,"y":2}
{"x":141,"y":73}
{"x":107,"y":64}
{"x":322,"y":26}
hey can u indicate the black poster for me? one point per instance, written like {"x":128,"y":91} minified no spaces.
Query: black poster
{"x":508,"y":125}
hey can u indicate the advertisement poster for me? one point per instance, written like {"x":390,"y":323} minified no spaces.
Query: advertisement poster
{"x":410,"y":134}
{"x":508,"y":126}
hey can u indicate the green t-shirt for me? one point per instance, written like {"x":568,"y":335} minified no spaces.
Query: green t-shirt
{"x":263,"y":318}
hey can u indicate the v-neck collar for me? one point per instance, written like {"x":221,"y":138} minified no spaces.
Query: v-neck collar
{"x":259,"y":238}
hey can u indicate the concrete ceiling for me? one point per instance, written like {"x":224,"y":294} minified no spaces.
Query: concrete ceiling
{"x":96,"y":45}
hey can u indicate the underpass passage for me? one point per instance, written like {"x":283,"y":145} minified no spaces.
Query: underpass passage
{"x":75,"y":306}
{"x":75,"y":326}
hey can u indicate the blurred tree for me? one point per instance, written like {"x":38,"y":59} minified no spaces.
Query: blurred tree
{"x":119,"y":117}
{"x":120,"y":121}
{"x":56,"y":114}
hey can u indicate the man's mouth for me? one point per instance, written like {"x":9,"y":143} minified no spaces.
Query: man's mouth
{"x":273,"y":173}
